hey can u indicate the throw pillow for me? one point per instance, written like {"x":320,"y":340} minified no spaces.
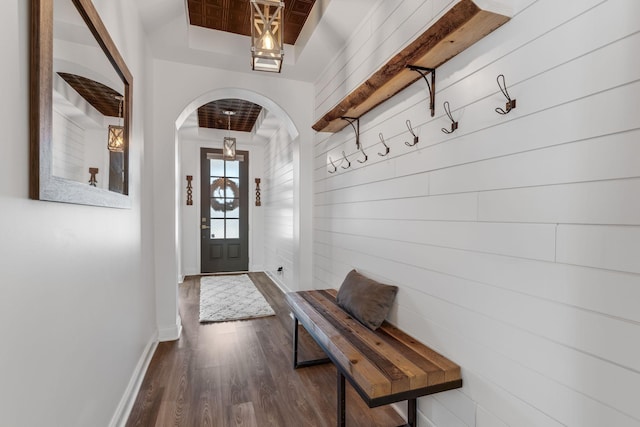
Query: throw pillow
{"x":365,"y":299}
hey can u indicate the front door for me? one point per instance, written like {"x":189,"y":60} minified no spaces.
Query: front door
{"x":224,"y":216}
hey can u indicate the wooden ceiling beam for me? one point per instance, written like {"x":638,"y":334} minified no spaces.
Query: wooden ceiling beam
{"x":460,"y":27}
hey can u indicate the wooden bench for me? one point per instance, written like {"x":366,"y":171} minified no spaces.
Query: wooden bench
{"x":384,"y":366}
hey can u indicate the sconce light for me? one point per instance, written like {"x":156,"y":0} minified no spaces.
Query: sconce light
{"x":267,"y":47}
{"x":189,"y":190}
{"x":116,"y":133}
{"x":258,"y":202}
{"x":229,"y":143}
{"x":92,"y":179}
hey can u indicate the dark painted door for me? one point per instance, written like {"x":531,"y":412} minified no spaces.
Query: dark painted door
{"x":224,"y":217}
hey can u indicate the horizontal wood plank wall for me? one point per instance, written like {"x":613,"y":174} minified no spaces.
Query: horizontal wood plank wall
{"x":515,"y":240}
{"x":277,"y":201}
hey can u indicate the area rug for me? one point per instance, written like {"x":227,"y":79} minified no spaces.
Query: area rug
{"x":224,"y":298}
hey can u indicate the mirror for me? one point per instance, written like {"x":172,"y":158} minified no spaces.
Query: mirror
{"x":80,"y":107}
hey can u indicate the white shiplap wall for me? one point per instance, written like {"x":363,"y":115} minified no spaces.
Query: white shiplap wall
{"x":277,"y":202}
{"x":68,"y":153}
{"x":515,"y":240}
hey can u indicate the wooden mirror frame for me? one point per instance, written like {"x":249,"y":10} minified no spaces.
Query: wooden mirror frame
{"x":42,"y":184}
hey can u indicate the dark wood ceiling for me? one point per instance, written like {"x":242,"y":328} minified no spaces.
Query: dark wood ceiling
{"x":234,"y":16}
{"x":101,"y":97}
{"x":212,"y":115}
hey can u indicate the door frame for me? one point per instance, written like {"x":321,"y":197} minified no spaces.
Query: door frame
{"x":190,"y":215}
{"x":244,"y":194}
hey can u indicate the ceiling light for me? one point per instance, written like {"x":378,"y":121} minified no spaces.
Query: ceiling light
{"x":229,"y":145}
{"x":116,"y":133}
{"x":267,"y":47}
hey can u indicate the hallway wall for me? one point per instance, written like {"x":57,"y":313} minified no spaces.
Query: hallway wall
{"x":277,"y":204}
{"x":77,"y":313}
{"x":515,"y":240}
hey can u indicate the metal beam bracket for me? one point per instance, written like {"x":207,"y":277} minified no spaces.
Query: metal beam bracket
{"x":356,"y":128}
{"x":423,"y":71}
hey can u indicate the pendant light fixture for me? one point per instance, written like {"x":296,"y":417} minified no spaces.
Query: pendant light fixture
{"x":229,"y":144}
{"x":116,"y":133}
{"x":267,"y":47}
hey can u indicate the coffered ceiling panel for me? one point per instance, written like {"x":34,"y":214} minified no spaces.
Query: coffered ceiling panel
{"x":234,"y":16}
{"x":101,"y":97}
{"x":212,"y":115}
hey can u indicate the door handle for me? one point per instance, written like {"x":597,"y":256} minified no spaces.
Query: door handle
{"x":204,"y":227}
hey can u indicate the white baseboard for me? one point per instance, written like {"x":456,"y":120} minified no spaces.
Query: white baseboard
{"x":401,"y":409}
{"x":172,"y":333}
{"x":275,"y":279}
{"x":123,"y":410}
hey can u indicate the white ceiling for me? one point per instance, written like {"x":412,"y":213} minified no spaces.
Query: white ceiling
{"x":330,"y":24}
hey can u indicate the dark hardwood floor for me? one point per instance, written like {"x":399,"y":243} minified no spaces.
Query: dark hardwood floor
{"x":240,"y":373}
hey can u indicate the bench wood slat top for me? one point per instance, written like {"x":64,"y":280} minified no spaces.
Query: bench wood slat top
{"x":386,"y":362}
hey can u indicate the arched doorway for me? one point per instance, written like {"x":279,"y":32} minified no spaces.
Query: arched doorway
{"x":192,"y":140}
{"x":175,"y":103}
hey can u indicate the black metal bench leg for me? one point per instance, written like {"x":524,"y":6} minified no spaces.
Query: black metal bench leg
{"x":302,"y":364}
{"x":341,"y":400}
{"x":412,"y":420}
{"x":295,"y":342}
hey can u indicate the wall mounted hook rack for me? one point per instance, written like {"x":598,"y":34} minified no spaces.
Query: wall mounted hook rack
{"x":356,"y":127}
{"x":454,"y":124}
{"x":423,"y":71}
{"x":386,"y":147}
{"x":511,"y":103}
{"x":415,"y":137}
{"x":335,"y":168}
{"x":344,"y":156}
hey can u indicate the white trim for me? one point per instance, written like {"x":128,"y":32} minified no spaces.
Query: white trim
{"x":284,"y":288}
{"x":123,"y":410}
{"x":172,"y":333}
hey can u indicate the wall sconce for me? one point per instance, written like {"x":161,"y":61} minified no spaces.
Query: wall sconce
{"x":189,"y":190}
{"x":92,"y":179}
{"x":258,"y":202}
{"x":116,"y":133}
{"x":267,"y":47}
{"x":229,"y":143}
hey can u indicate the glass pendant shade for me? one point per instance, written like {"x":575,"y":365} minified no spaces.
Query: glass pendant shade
{"x":116,"y":138}
{"x":267,"y":46}
{"x":229,"y":148}
{"x":115,"y":141}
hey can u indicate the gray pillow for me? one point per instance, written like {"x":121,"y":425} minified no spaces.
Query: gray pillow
{"x":365,"y":299}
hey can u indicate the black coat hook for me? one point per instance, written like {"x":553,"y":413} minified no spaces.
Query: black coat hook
{"x":335,"y":168}
{"x":415,"y":137}
{"x":386,"y":147}
{"x":346,"y":160}
{"x":454,"y":124}
{"x":364,"y":154}
{"x":511,"y":103}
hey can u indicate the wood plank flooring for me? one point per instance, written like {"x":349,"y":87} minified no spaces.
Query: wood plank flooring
{"x":240,"y":373}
